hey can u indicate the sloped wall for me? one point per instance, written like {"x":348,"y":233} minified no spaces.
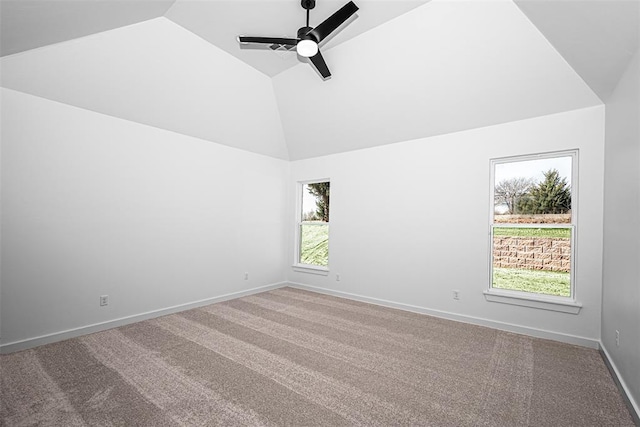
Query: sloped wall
{"x":159,"y":74}
{"x":444,"y":67}
{"x":94,"y":205}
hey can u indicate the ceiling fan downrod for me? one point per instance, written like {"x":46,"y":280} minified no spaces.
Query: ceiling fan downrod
{"x":308,"y":5}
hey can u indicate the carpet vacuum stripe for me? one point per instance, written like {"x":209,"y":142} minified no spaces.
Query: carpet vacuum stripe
{"x":291,"y":357}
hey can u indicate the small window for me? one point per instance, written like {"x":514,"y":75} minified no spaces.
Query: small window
{"x":312,"y":234}
{"x":533,"y":225}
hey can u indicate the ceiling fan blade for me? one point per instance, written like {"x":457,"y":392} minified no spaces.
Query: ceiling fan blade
{"x":334,"y":21}
{"x":318,"y":61}
{"x":267,"y":40}
{"x":282,"y":46}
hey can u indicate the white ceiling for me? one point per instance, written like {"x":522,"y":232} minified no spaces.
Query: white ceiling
{"x":27,"y":24}
{"x":458,"y":71}
{"x":596,"y":37}
{"x":220,"y":21}
{"x":144,"y":73}
{"x":401,"y":69}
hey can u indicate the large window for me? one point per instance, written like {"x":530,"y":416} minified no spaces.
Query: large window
{"x":533,"y":226}
{"x":312,"y":234}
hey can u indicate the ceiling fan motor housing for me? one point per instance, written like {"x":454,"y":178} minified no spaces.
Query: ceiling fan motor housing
{"x":303,"y":34}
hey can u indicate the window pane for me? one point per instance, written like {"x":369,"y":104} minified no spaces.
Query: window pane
{"x":314,"y":225}
{"x":536,"y":260}
{"x":315,"y":202}
{"x":314,"y":243}
{"x":533,"y":191}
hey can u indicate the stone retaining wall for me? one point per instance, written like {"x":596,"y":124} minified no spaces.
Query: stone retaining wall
{"x":534,"y":253}
{"x":533,"y":219}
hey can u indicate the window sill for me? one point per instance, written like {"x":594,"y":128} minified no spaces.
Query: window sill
{"x":311,"y":269}
{"x":562,"y":305}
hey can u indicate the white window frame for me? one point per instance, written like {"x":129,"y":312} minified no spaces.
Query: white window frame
{"x":568,"y":304}
{"x":297,"y":266}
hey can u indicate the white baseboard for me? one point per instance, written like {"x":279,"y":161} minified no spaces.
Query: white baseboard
{"x":534,"y":332}
{"x":97,"y":327}
{"x":620,"y":382}
{"x":83,"y":330}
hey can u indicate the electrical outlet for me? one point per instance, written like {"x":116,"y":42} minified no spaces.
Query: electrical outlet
{"x":617,"y":338}
{"x":104,"y":300}
{"x":337,"y":277}
{"x":456,"y":295}
{"x":246,"y":276}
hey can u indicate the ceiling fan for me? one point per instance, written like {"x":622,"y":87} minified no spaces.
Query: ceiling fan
{"x":308,"y":38}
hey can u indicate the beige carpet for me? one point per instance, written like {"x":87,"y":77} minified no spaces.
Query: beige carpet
{"x":297,"y":358}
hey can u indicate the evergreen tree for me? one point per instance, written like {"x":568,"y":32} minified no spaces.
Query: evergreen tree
{"x":551,"y":196}
{"x":321,"y":192}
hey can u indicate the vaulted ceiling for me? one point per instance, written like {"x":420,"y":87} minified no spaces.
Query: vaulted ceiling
{"x":401,"y":69}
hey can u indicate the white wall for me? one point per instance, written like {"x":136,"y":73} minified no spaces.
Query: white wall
{"x":410,"y":221}
{"x":94,"y":205}
{"x":621,"y":296}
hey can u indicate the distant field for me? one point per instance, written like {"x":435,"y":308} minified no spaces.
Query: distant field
{"x":314,"y":243}
{"x":532,"y":232}
{"x":536,"y":281}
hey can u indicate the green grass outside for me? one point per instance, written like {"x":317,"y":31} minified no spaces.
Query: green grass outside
{"x":535,"y":281}
{"x":314,"y":250}
{"x":314,"y":244}
{"x":532,"y":232}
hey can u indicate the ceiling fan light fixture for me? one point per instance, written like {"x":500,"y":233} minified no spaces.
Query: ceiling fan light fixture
{"x":307,"y":48}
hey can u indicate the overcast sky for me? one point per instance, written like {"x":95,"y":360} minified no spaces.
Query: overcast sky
{"x":308,"y":201}
{"x":533,"y":169}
